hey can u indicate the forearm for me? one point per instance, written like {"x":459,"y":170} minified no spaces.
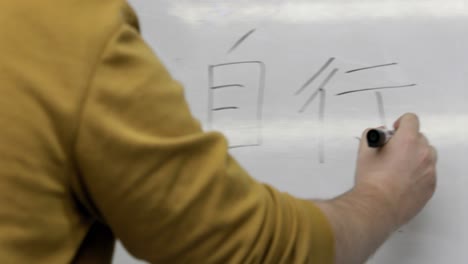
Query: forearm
{"x":362,"y":220}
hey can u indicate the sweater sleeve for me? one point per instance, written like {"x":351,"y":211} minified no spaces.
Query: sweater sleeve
{"x":169,"y":191}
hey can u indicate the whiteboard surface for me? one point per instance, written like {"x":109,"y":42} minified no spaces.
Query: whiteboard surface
{"x":242,"y":63}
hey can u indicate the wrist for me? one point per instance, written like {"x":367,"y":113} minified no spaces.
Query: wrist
{"x":362,"y":219}
{"x":375,"y":201}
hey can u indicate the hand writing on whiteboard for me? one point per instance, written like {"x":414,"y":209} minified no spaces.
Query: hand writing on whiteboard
{"x":392,"y":185}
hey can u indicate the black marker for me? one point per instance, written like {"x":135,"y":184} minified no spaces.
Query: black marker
{"x":378,"y":137}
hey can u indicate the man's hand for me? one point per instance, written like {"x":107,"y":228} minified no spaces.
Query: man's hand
{"x":403,"y":170}
{"x":393,"y":183}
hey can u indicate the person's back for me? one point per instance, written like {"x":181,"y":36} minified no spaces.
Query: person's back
{"x":48,"y":51}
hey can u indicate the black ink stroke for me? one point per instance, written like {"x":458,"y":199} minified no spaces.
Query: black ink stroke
{"x":321,"y":87}
{"x":260,"y":101}
{"x":260,"y":98}
{"x":377,"y":88}
{"x":323,"y":94}
{"x":242,"y":39}
{"x":244,"y":146}
{"x":236,"y":63}
{"x":380,"y":105}
{"x":225,"y":108}
{"x":372,"y":67}
{"x":227,"y":86}
{"x":210,"y":95}
{"x":316,"y":75}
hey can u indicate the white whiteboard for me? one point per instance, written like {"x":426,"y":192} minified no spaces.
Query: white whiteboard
{"x":250,"y":94}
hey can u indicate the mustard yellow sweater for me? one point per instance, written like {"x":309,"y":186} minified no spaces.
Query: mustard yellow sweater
{"x":97,"y":143}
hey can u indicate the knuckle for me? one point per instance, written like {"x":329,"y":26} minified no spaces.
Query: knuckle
{"x":412,"y":116}
{"x":427,"y":155}
{"x":432,"y":184}
{"x":432,"y":158}
{"x":423,"y":138}
{"x":432,"y":172}
{"x":434,"y":154}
